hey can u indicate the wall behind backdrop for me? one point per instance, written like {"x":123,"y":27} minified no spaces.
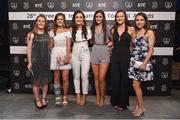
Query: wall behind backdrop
{"x":161,"y":14}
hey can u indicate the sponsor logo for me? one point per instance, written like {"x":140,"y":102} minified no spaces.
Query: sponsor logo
{"x":140,"y":5}
{"x":151,"y":88}
{"x":50,"y":25}
{"x":164,"y":75}
{"x":128,"y":5}
{"x":167,"y":26}
{"x":102,"y":5}
{"x":76,"y":5}
{"x":154,"y":26}
{"x":115,"y":4}
{"x":165,"y":61}
{"x":15,"y":40}
{"x":154,"y":61}
{"x":154,"y":5}
{"x":166,"y":40}
{"x":14,"y":26}
{"x":28,"y":86}
{"x":168,"y":5}
{"x":163,"y":88}
{"x":16,"y":85}
{"x":38,"y":5}
{"x":14,"y":5}
{"x":16,"y":73}
{"x":25,"y":5}
{"x":28,"y":26}
{"x":50,"y":5}
{"x":89,"y":5}
{"x":63,"y":5}
{"x":16,"y":59}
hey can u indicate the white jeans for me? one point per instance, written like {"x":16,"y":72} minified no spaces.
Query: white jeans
{"x":81,"y":65}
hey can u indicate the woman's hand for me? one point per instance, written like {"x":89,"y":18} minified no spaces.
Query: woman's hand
{"x":29,"y":66}
{"x":142,"y":67}
{"x":67,"y":59}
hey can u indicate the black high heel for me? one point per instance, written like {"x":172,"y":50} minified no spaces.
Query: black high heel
{"x":38,"y":107}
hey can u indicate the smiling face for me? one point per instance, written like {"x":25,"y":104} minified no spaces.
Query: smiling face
{"x":120,"y":18}
{"x":40,"y":22}
{"x":79,"y":19}
{"x":99,"y":18}
{"x":60,"y":21}
{"x":140,"y":22}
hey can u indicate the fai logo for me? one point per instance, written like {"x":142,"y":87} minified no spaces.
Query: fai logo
{"x":167,"y":26}
{"x":16,"y":73}
{"x":154,"y":5}
{"x":166,"y":40}
{"x":14,"y":5}
{"x":50,"y":5}
{"x":165,"y":61}
{"x":128,"y":5}
{"x":89,"y":5}
{"x":168,"y":5}
{"x":164,"y":75}
{"x":16,"y":85}
{"x":16,"y":59}
{"x":63,"y":5}
{"x":25,"y":5}
{"x":14,"y":26}
{"x":15,"y":40}
{"x":50,"y":25}
{"x":115,"y":4}
{"x":163,"y":88}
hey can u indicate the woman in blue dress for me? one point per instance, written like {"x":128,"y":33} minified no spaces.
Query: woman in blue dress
{"x":143,"y":49}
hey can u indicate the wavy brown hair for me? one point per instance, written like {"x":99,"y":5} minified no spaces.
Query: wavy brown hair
{"x":147,"y":23}
{"x":55,"y":26}
{"x":104,"y":27}
{"x":75,"y":27}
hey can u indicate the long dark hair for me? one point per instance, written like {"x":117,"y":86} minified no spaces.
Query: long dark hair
{"x":74,"y":26}
{"x":104,"y":27}
{"x":55,"y":26}
{"x":127,"y":23}
{"x":147,"y":23}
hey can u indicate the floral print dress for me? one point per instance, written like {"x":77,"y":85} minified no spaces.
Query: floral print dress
{"x":139,"y":54}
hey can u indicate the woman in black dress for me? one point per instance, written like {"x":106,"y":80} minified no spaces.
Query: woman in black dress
{"x":122,"y":34}
{"x":38,"y":54}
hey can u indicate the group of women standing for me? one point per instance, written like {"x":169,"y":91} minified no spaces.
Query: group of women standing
{"x":117,"y":49}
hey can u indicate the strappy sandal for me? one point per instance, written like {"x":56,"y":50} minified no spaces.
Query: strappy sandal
{"x":65,"y":101}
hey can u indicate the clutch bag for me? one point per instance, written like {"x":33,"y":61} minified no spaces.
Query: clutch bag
{"x":137,"y":65}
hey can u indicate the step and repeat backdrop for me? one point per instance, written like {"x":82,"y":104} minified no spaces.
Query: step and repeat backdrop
{"x":161,"y":14}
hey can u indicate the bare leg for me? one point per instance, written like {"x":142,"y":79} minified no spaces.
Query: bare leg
{"x":36,"y":93}
{"x":65,"y":76}
{"x":138,"y":91}
{"x":44,"y":92}
{"x":102,"y":74}
{"x":95,"y":69}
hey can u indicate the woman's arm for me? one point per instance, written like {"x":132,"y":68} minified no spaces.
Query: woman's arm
{"x":151,"y":42}
{"x":30,"y":37}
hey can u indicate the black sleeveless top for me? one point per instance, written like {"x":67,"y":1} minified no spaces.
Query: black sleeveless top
{"x":123,"y":40}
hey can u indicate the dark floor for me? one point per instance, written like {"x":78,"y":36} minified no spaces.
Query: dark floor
{"x":20,"y":106}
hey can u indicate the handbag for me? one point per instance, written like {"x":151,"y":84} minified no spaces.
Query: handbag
{"x":137,"y":65}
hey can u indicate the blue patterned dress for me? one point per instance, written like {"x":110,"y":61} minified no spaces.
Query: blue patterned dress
{"x":139,"y":53}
